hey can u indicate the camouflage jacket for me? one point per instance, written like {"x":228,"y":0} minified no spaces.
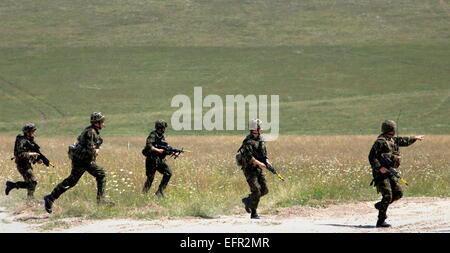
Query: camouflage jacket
{"x":388,"y":147}
{"x":22,"y":147}
{"x":154,"y":139}
{"x":88,"y":141}
{"x":253,"y":149}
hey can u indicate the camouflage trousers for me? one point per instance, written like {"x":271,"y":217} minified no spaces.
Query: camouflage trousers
{"x":390,"y":191}
{"x":29,"y":183}
{"x":257,"y":183}
{"x":78,"y":169}
{"x":152,"y":165}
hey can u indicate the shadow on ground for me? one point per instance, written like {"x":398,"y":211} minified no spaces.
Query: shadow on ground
{"x":350,"y":226}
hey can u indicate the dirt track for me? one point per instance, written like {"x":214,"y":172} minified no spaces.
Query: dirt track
{"x":418,"y":214}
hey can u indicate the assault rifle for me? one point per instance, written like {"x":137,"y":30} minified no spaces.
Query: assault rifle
{"x":386,"y":163}
{"x":37,"y":149}
{"x":271,"y":168}
{"x":171,"y":151}
{"x":98,"y":143}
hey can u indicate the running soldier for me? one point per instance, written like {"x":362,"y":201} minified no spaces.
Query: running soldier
{"x":156,"y":158}
{"x":24,"y":155}
{"x":84,"y":154}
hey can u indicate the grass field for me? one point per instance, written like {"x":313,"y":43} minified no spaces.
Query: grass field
{"x":340,"y":67}
{"x":319,"y":170}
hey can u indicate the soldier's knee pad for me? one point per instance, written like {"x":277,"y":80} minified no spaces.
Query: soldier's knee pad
{"x":70,"y":182}
{"x":264,"y":191}
{"x":397,"y":195}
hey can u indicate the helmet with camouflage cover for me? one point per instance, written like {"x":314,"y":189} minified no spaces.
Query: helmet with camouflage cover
{"x":160,"y":124}
{"x":29,"y":127}
{"x":255,"y":124}
{"x":97,"y":117}
{"x":388,"y":126}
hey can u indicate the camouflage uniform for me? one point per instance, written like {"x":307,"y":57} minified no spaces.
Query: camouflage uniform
{"x":83,"y":160}
{"x":156,"y":162}
{"x":254,"y":149}
{"x":386,"y":183}
{"x":23,"y":145}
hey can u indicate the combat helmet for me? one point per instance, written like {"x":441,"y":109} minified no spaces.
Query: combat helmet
{"x":29,"y":127}
{"x":254,"y":124}
{"x":160,"y":124}
{"x":388,"y":126}
{"x":97,"y":117}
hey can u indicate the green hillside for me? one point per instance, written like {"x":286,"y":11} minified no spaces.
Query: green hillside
{"x":339,"y":67}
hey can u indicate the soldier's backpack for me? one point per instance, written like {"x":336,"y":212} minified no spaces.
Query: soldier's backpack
{"x":146,"y":151}
{"x":239,"y":157}
{"x":71,"y":151}
{"x":78,"y":151}
{"x":16,"y":144}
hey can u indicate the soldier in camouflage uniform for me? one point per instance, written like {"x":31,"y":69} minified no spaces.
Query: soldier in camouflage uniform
{"x":83,"y":156}
{"x":23,"y":158}
{"x":387,"y":145}
{"x":156,"y":159}
{"x":254,"y":156}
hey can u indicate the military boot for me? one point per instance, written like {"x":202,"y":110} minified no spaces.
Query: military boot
{"x":254,"y":214}
{"x":48,"y":203}
{"x":159,"y":194}
{"x":246,"y":201}
{"x":382,"y":224}
{"x":9,"y":186}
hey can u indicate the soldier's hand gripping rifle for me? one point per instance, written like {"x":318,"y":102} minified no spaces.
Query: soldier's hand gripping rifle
{"x":272,"y":169}
{"x":171,"y":151}
{"x":41,"y":156}
{"x":386,"y":163}
{"x":37,"y":149}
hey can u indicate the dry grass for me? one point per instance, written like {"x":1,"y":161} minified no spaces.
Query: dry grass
{"x":318,"y":169}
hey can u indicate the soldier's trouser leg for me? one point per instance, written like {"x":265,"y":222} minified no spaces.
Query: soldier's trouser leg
{"x":69,"y":182}
{"x":254,"y":177}
{"x":29,"y":182}
{"x":150,"y":169}
{"x":397,"y":192}
{"x":390,"y":191}
{"x":164,"y":169}
{"x":263,"y":184}
{"x":100,"y":177}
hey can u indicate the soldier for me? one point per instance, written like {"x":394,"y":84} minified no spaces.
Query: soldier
{"x":83,"y":157}
{"x":23,"y":156}
{"x":254,"y":159}
{"x":387,"y":146}
{"x":156,"y":159}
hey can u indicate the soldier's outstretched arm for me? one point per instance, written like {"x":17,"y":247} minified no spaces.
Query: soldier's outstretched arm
{"x":406,"y":141}
{"x":420,"y":137}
